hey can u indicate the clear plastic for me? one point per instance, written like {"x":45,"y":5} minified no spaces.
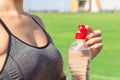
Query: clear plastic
{"x":79,"y":55}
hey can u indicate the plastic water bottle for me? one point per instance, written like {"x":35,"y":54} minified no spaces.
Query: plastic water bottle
{"x":79,"y":55}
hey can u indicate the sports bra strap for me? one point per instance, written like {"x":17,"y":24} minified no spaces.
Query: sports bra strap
{"x":4,"y":26}
{"x":9,"y":32}
{"x":37,"y":23}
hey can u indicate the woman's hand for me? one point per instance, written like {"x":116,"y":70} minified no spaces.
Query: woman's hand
{"x":94,"y":40}
{"x":78,"y":63}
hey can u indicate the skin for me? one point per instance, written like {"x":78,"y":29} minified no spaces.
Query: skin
{"x":31,"y":34}
{"x":94,"y":41}
{"x":12,"y":13}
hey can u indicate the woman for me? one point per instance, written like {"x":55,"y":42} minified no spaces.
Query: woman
{"x":26,"y":49}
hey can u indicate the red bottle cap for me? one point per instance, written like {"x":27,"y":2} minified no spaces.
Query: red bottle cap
{"x":82,"y":28}
{"x":81,"y":34}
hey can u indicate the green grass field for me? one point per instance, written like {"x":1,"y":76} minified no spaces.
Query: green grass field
{"x":62,"y":26}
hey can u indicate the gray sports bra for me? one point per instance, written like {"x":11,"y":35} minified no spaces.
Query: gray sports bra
{"x":27,"y":62}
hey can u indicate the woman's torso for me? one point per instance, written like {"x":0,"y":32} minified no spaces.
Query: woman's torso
{"x":30,"y":57}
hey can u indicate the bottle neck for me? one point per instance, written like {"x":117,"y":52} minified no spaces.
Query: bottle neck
{"x":80,"y":40}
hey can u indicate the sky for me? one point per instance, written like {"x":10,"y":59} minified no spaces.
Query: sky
{"x":110,"y":4}
{"x":64,"y":5}
{"x":61,"y":5}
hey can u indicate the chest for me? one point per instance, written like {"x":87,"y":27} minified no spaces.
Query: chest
{"x":33,"y":63}
{"x":26,"y":30}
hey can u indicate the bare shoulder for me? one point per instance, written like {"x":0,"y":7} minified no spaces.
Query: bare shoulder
{"x":39,"y":20}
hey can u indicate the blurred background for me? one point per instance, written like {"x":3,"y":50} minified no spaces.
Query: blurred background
{"x":61,"y":18}
{"x":72,"y":5}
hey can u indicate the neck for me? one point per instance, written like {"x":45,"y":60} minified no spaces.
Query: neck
{"x":11,"y":7}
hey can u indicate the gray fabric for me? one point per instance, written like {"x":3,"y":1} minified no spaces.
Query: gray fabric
{"x":25,"y":62}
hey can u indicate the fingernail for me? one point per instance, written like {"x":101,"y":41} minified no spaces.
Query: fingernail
{"x":88,"y":37}
{"x":88,"y":43}
{"x":92,"y":47}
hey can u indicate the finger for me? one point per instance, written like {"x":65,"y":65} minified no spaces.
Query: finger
{"x":89,"y":29}
{"x":96,"y":46}
{"x":95,"y":49}
{"x":94,"y":40}
{"x":97,"y":33}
